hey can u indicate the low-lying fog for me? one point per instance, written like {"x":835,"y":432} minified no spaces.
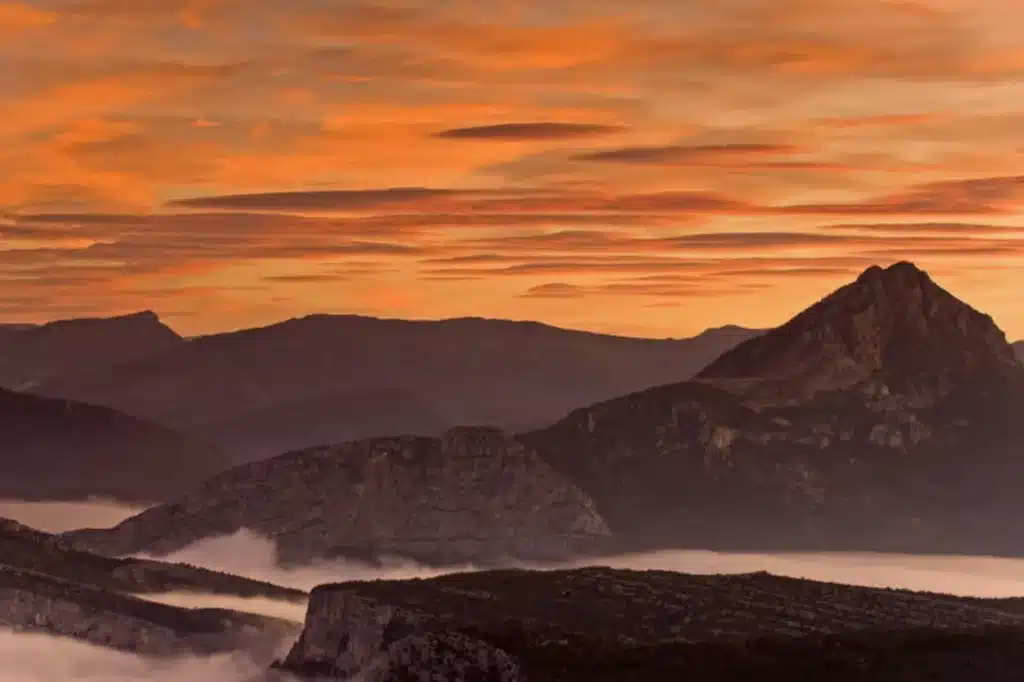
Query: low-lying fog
{"x":34,"y":658}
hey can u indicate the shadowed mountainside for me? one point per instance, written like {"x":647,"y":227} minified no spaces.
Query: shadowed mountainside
{"x":59,"y":449}
{"x":604,"y":624}
{"x":31,"y":355}
{"x":1018,"y":348}
{"x":470,"y":371}
{"x":324,"y":420}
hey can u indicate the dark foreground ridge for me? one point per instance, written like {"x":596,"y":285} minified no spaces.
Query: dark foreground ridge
{"x":601,"y":624}
{"x":47,"y":586}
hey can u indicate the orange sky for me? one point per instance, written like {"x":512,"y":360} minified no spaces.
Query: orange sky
{"x":646,"y":167}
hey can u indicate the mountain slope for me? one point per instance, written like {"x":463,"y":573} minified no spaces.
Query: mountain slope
{"x":47,"y":586}
{"x":470,"y":371}
{"x":894,"y":325}
{"x":765,"y":450}
{"x":58,"y":449}
{"x":33,"y":355}
{"x":603,"y":624}
{"x":1018,"y":348}
{"x":471,"y":495}
{"x":882,"y":418}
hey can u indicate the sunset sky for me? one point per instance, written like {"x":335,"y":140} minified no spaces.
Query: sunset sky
{"x":644,"y":167}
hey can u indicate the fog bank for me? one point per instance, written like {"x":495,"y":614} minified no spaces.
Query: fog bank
{"x":245,"y":553}
{"x":57,"y":517}
{"x":41,"y":658}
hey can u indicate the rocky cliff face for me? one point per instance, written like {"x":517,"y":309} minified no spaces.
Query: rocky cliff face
{"x":514,"y":625}
{"x":472,"y":495}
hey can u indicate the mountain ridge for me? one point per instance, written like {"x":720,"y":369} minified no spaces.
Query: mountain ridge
{"x":701,"y":464}
{"x":454,"y":366}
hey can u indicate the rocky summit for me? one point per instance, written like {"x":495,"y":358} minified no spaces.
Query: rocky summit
{"x":884,"y":417}
{"x":881,"y":418}
{"x":600,"y":624}
{"x":893,"y":326}
{"x":473,"y":494}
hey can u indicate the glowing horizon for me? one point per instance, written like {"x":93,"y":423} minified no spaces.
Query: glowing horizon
{"x":648,"y":168}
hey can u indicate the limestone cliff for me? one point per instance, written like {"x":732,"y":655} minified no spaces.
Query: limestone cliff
{"x":504,"y":626}
{"x":472,"y":495}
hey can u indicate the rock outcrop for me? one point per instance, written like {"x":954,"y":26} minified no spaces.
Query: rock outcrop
{"x":517,"y":625}
{"x":473,"y":494}
{"x":894,"y":327}
{"x":60,"y":449}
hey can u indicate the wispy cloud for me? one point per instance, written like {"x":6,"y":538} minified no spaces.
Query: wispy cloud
{"x":235,"y":161}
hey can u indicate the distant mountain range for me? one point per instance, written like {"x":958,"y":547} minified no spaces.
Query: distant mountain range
{"x":31,"y":355}
{"x":884,"y":417}
{"x":326,"y":379}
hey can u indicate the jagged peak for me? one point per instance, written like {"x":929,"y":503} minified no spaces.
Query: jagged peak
{"x":893,"y":321}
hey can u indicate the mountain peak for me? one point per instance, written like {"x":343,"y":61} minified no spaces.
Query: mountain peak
{"x":893,"y":324}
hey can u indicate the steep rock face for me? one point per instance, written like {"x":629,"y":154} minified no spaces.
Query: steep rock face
{"x":451,"y":365}
{"x":883,"y":418}
{"x":37,"y":354}
{"x":59,"y":449}
{"x":894,"y":325}
{"x":512,"y":625}
{"x":472,"y":495}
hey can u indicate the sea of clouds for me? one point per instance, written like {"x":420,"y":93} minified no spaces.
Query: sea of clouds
{"x":38,"y":658}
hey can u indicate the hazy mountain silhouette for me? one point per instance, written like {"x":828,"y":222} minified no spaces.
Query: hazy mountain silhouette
{"x":469,"y":371}
{"x":885,"y":417}
{"x":34,"y":354}
{"x":59,"y":449}
{"x":1018,"y":348}
{"x":326,"y":420}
